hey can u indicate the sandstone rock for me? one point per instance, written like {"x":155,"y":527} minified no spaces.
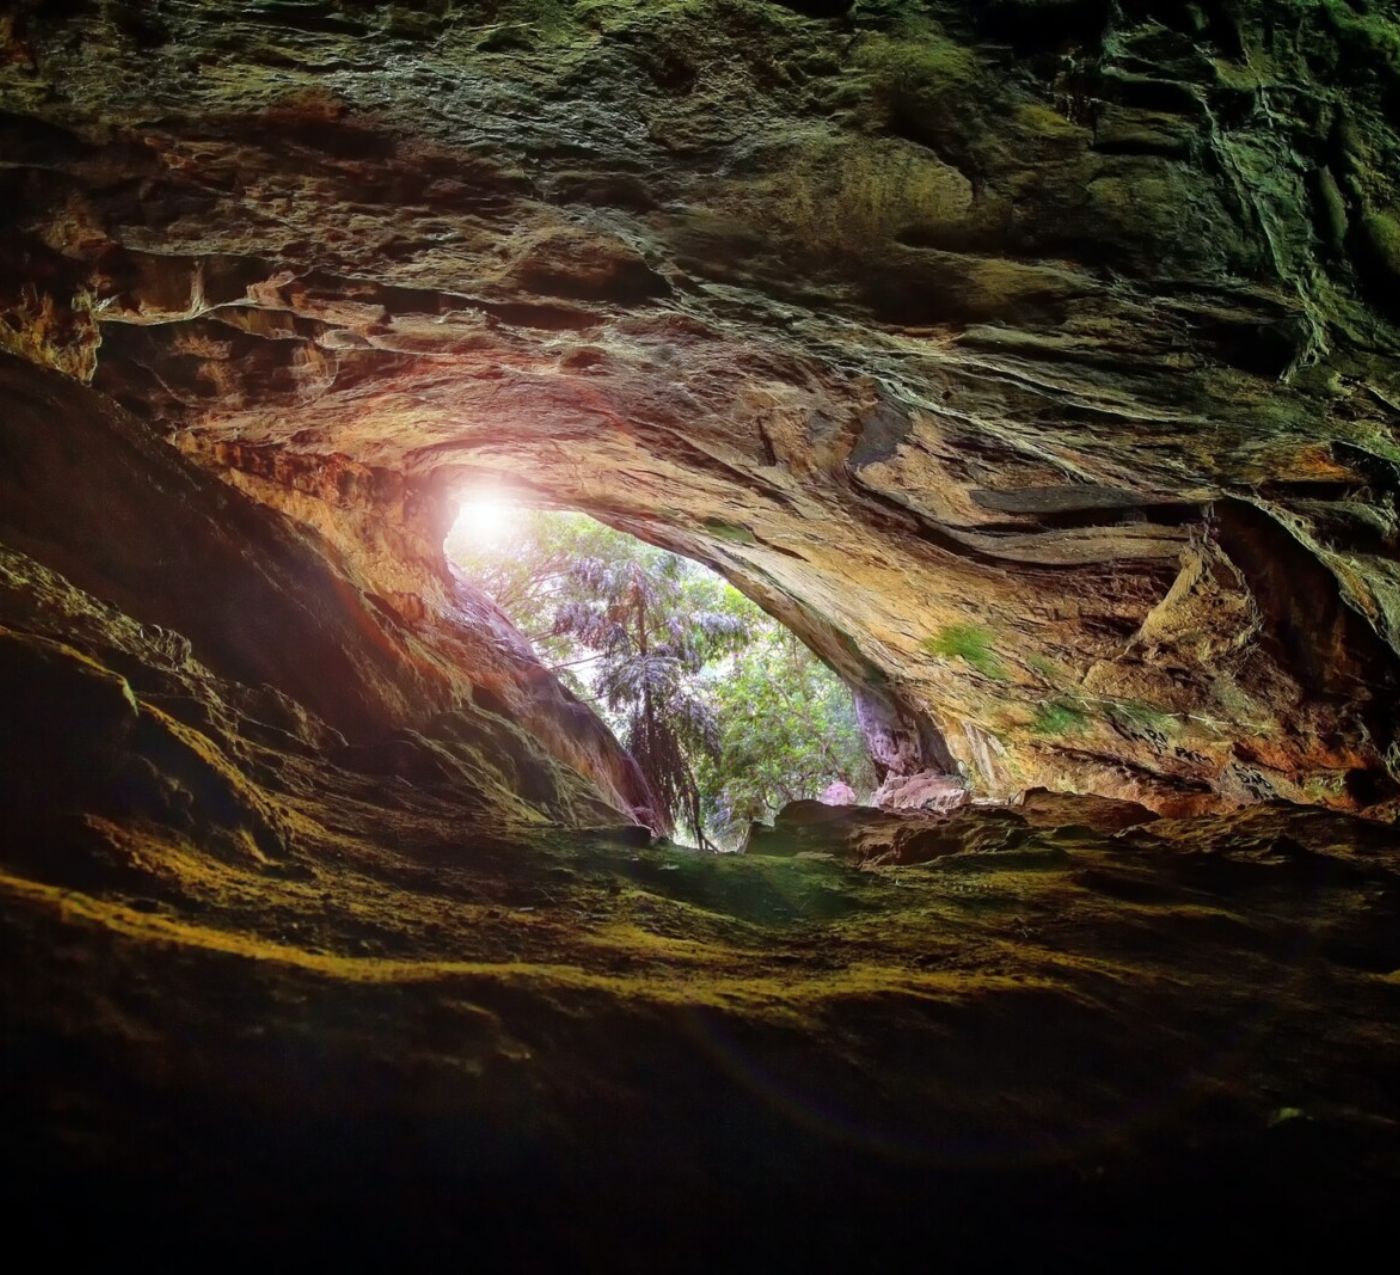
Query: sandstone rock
{"x":99,"y":507}
{"x":926,"y":790}
{"x":839,"y":794}
{"x":1048,"y":396}
{"x":1044,"y":809}
{"x":865,"y":836}
{"x":1035,"y":361}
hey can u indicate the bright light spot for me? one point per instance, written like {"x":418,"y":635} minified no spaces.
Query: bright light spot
{"x":487,"y":517}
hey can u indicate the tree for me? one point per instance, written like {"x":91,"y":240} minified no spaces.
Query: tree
{"x":788,"y":729}
{"x":726,"y":712}
{"x":644,"y":615}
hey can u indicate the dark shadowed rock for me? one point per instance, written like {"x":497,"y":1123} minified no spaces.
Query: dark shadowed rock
{"x":1034,"y":361}
{"x":264,"y":601}
{"x":1044,"y":809}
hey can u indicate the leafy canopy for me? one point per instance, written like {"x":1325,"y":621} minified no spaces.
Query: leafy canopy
{"x":727,"y":713}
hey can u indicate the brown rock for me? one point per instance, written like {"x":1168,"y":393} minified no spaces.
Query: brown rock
{"x":926,"y":790}
{"x":1047,"y":408}
{"x":1034,"y":360}
{"x":1044,"y":809}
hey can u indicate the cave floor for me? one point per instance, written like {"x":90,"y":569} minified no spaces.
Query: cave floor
{"x":542,"y":1039}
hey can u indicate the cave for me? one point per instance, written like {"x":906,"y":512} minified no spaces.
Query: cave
{"x":728,"y":714}
{"x":1034,"y":362}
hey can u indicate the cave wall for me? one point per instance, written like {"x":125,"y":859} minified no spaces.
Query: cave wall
{"x":160,"y":626}
{"x":1033,"y":360}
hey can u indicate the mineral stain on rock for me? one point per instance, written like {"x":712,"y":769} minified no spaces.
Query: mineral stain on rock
{"x":1034,"y":362}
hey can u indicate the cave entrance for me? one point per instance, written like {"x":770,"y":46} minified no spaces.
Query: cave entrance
{"x":728,"y":713}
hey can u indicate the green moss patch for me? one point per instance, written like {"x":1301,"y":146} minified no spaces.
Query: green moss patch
{"x":730,"y":531}
{"x":970,"y":643}
{"x":1382,"y":232}
{"x":1060,"y":717}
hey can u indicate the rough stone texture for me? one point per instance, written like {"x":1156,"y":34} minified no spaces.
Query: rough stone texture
{"x":1116,"y":1052}
{"x":923,"y":790}
{"x":147,"y":611}
{"x":915,"y":832}
{"x":865,"y":836}
{"x":839,"y":793}
{"x":1104,"y":814}
{"x":1034,"y":360}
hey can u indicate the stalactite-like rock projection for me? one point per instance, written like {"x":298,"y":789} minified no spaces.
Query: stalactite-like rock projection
{"x":1033,"y":360}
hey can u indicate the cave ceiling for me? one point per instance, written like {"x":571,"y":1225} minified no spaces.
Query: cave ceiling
{"x":1033,"y":360}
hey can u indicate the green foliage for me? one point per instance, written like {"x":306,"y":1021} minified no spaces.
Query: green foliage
{"x":651,"y":638}
{"x":970,"y":643}
{"x":531,"y":575}
{"x":1060,"y":717}
{"x":727,"y":713}
{"x":787,"y":730}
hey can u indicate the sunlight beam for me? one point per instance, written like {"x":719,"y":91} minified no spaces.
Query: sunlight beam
{"x":486,"y":516}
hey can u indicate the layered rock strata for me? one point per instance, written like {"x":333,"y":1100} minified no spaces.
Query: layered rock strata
{"x":1033,"y":360}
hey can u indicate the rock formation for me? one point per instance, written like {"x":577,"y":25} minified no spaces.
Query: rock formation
{"x":1033,"y":360}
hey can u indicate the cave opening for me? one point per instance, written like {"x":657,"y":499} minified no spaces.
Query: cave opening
{"x":728,"y":713}
{"x":1032,"y":365}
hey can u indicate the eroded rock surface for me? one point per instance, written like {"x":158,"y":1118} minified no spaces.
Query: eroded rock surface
{"x":874,"y":836}
{"x":1035,"y":361}
{"x":1131,"y":1048}
{"x":161,"y":631}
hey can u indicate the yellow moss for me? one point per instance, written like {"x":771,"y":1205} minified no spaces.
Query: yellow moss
{"x":771,"y":993}
{"x":629,"y":937}
{"x":832,"y":193}
{"x":909,"y":70}
{"x":213,"y":758}
{"x":1039,"y":118}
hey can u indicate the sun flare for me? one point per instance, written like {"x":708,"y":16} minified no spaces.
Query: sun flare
{"x":486,"y":516}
